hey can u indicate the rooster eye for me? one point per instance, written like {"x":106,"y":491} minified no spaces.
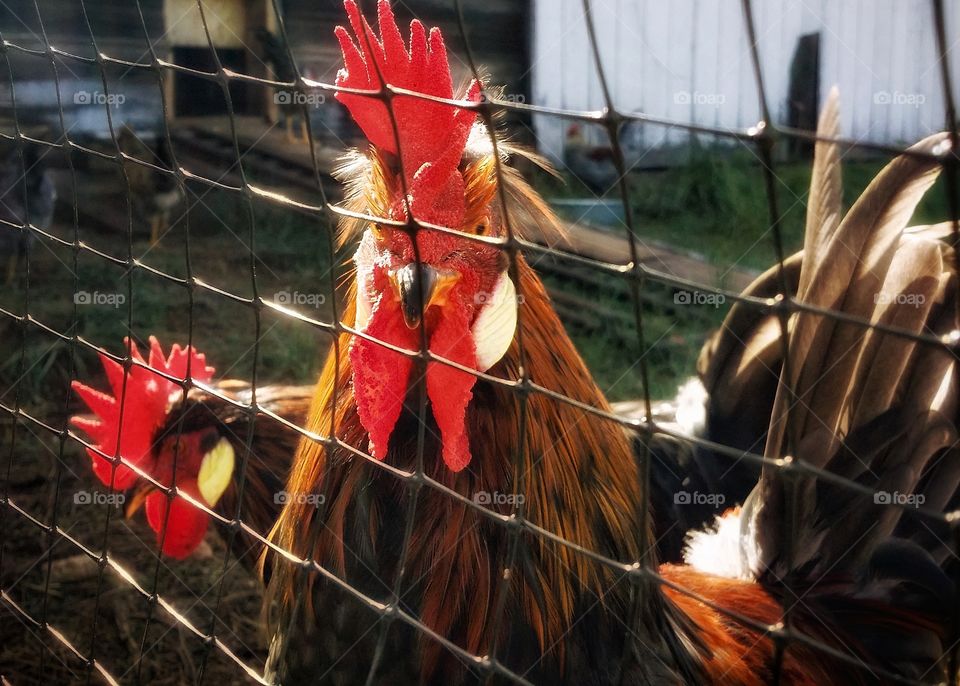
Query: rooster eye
{"x":379,"y":234}
{"x":481,"y":228}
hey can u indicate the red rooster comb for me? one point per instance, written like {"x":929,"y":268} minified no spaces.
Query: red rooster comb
{"x":145,"y":405}
{"x":431,"y":135}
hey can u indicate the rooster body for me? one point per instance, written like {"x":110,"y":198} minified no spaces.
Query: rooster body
{"x":154,"y":196}
{"x":455,"y":553}
{"x":398,"y":578}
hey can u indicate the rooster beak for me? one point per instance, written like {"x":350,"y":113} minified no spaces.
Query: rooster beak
{"x":136,"y":497}
{"x":216,"y":470}
{"x":409,"y":282}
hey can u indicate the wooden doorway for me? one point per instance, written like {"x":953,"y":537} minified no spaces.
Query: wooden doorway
{"x":231,"y":25}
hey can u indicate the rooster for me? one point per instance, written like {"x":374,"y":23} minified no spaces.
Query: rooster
{"x":199,"y":437}
{"x":276,"y":55}
{"x":592,"y":165}
{"x":401,"y":576}
{"x":729,"y":402}
{"x":154,"y":196}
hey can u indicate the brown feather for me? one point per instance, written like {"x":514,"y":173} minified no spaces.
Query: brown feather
{"x":826,"y":188}
{"x":848,"y":275}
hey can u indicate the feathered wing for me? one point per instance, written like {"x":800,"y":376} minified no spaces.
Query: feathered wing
{"x":826,"y":190}
{"x":871,"y":406}
{"x":840,"y":375}
{"x":740,"y":365}
{"x":739,"y":372}
{"x":849,"y":274}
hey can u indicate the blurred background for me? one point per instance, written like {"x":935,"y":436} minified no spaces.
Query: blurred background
{"x":115,"y":245}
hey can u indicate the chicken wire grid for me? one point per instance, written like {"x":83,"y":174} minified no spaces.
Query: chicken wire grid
{"x":764,"y":137}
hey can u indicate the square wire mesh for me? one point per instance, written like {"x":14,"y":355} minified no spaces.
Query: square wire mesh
{"x":765,"y":138}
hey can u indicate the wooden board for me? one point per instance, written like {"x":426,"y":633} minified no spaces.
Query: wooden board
{"x":614,"y":248}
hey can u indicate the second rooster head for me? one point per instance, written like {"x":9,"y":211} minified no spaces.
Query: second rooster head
{"x":170,"y":436}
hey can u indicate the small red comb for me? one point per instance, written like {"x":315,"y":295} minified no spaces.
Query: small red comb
{"x":145,"y":406}
{"x":431,"y":135}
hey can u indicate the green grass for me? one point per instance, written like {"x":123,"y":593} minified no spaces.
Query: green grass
{"x":671,"y":340}
{"x":670,"y":355}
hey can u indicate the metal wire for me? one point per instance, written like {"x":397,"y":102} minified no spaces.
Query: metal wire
{"x":765,"y":137}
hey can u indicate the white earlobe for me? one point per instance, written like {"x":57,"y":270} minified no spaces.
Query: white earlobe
{"x":496,"y":324}
{"x":364,"y":306}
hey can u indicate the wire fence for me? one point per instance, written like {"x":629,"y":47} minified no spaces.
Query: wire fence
{"x":765,"y":138}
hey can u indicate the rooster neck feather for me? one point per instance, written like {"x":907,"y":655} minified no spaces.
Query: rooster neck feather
{"x":579,"y":483}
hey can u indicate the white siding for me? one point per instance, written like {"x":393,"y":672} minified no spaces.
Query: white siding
{"x":689,"y":61}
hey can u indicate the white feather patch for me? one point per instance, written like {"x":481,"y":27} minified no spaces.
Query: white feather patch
{"x":496,"y":324}
{"x":691,"y":414}
{"x":722,"y":550}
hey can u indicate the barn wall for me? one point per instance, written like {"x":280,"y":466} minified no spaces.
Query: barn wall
{"x":688,"y":61}
{"x":226,"y":22}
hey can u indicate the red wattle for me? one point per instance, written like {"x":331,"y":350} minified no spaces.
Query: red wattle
{"x":186,"y":525}
{"x":450,"y":389}
{"x":380,"y":375}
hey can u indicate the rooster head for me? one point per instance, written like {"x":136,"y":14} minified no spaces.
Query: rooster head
{"x":432,"y":162}
{"x":154,"y":430}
